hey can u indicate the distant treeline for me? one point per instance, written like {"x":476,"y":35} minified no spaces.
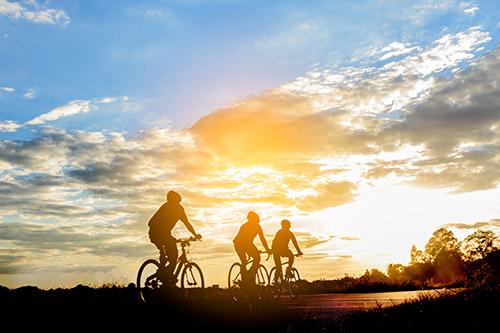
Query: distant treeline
{"x":444,"y":262}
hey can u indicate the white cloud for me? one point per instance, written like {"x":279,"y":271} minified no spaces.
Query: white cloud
{"x":29,"y":94}
{"x":9,"y":126}
{"x":7,"y":89}
{"x":34,"y":12}
{"x":396,"y":49}
{"x":380,"y":90}
{"x":75,"y":107}
{"x":72,"y":108}
{"x":469,"y":8}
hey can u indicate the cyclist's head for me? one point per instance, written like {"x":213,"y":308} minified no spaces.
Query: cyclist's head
{"x":253,"y":217}
{"x":173,"y":197}
{"x":285,"y":224}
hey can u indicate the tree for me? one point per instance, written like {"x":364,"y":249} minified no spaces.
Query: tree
{"x":377,"y":276}
{"x":479,"y":244}
{"x":449,"y":267}
{"x":417,"y":256}
{"x":396,"y":273}
{"x":442,"y":240}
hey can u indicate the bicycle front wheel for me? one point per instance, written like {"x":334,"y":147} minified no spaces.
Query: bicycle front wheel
{"x":192,"y":276}
{"x":148,"y":281}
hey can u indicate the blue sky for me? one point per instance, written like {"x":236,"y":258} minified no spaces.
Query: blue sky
{"x":368,"y":124}
{"x":179,"y":60}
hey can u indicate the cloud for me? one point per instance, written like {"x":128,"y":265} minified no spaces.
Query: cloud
{"x":11,"y":261}
{"x":276,"y":125}
{"x":469,"y":8}
{"x":350,"y":238}
{"x":29,"y":94}
{"x":328,"y":195}
{"x":72,"y":108}
{"x":477,"y":225}
{"x":9,"y":126}
{"x":396,"y":49}
{"x":393,"y":87}
{"x":7,"y":89}
{"x":466,"y":154}
{"x":34,"y":12}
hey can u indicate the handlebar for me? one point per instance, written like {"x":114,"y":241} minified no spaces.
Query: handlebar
{"x":187,"y":240}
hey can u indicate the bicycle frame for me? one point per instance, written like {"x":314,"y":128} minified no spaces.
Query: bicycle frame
{"x":288,"y":269}
{"x":182,"y":260}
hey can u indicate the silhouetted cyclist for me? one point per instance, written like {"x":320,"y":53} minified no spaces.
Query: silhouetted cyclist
{"x":160,"y":231}
{"x":243,"y":244}
{"x":280,"y":248}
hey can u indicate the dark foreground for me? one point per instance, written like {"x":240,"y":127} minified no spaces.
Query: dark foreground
{"x":119,"y":308}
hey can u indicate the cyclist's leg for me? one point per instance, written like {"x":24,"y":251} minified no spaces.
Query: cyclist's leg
{"x":278,"y":276}
{"x":163,"y":254}
{"x":290,"y":257}
{"x":240,"y":251}
{"x":172,"y":254}
{"x":254,"y":253}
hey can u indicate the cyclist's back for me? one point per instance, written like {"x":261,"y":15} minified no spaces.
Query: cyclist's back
{"x":281,"y":240}
{"x":247,"y":233}
{"x":164,"y":220}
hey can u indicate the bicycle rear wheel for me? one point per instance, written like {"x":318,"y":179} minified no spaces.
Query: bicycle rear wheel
{"x":262,"y":277}
{"x":234,"y":276}
{"x":148,"y":281}
{"x":276,"y":285}
{"x":192,"y":276}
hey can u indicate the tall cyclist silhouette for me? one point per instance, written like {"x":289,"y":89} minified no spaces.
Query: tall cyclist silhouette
{"x":160,"y":232}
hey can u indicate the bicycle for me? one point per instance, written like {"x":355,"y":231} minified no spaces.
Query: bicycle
{"x":287,"y":284}
{"x":149,"y":279}
{"x":235,"y":278}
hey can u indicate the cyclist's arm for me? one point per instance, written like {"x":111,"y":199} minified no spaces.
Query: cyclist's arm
{"x":294,"y":241}
{"x":188,"y":225}
{"x":263,"y":240}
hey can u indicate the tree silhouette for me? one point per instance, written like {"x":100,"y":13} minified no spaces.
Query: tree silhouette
{"x":442,"y":240}
{"x":479,"y":244}
{"x":417,"y":256}
{"x":396,"y":273}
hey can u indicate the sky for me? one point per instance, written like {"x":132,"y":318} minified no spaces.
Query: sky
{"x":367,"y":124}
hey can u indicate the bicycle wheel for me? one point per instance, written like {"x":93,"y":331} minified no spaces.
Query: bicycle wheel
{"x":192,"y":276}
{"x":148,"y":281}
{"x":292,"y":281}
{"x":261,"y":278}
{"x":275,"y":285}
{"x":234,"y":276}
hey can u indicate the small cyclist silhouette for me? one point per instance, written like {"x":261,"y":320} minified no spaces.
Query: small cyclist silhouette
{"x":280,"y":249}
{"x":160,"y":234}
{"x":243,"y":245}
